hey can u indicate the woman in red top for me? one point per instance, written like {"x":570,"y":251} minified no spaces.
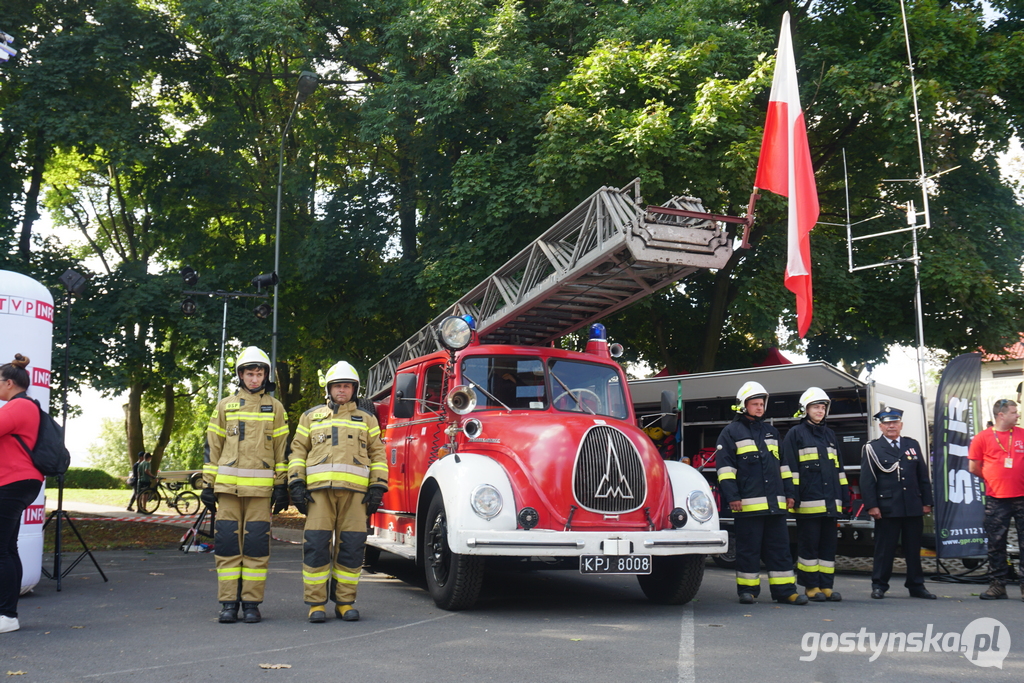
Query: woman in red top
{"x":19,"y":481}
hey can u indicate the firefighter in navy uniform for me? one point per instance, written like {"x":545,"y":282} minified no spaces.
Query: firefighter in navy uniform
{"x":758,"y":487}
{"x":338,"y":468}
{"x":244,"y":473}
{"x":821,"y":491}
{"x":897,"y":493}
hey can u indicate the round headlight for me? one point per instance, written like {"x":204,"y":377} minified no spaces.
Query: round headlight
{"x":455,"y":333}
{"x":486,"y":501}
{"x":700,"y":506}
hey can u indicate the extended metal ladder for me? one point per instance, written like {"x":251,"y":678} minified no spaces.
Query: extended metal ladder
{"x":603,"y":255}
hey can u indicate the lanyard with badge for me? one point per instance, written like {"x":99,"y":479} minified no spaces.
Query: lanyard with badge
{"x":1008,"y":460}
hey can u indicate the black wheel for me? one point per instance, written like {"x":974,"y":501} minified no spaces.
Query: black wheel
{"x":195,"y":480}
{"x":186,"y":503}
{"x":453,"y":580}
{"x":148,"y":501}
{"x":971,"y":562}
{"x":674,"y":580}
{"x":727,"y":560}
{"x":371,"y":555}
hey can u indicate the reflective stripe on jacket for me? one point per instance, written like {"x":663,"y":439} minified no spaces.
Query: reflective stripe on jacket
{"x":750,"y":469}
{"x":245,"y":445}
{"x":339,"y":448}
{"x":819,"y":480}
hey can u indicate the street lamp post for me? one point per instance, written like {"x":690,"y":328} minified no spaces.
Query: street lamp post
{"x":305,"y":87}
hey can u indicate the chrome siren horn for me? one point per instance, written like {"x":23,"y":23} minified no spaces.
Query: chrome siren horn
{"x":462,"y":399}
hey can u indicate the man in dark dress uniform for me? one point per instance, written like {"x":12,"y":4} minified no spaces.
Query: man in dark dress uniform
{"x":897,"y":493}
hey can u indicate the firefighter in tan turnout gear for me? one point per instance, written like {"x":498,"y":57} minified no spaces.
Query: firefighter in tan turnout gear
{"x":244,"y":473}
{"x":339,"y":469}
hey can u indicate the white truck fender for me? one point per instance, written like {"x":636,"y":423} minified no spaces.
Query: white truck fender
{"x":458,"y":476}
{"x":685,"y":480}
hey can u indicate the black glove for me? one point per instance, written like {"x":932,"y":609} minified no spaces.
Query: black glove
{"x":209,"y":499}
{"x":301,"y":497}
{"x":373,"y":497}
{"x":279,"y":498}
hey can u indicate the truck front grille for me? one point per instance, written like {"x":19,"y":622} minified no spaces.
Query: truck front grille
{"x":608,"y":476}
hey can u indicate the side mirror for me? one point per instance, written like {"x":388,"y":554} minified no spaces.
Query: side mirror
{"x":404,"y":404}
{"x":669,"y":417}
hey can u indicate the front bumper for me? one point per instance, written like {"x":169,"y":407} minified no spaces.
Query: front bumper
{"x":545,"y":543}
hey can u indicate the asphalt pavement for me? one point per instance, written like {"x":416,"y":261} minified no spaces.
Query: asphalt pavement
{"x":156,"y":620}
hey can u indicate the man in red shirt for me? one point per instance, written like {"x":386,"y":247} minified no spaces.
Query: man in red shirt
{"x":997,"y":456}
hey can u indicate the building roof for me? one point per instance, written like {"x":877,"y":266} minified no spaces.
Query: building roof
{"x":1015,"y":352}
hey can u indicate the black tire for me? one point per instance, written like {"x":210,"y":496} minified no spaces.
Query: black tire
{"x":727,"y":560}
{"x":148,"y":501}
{"x":971,"y":562}
{"x":195,"y":480}
{"x":454,"y":580}
{"x":674,"y":580}
{"x":186,"y":503}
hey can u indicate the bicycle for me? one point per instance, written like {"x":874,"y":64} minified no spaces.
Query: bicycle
{"x":183,"y":502}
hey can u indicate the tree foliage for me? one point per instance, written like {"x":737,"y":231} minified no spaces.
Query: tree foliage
{"x":445,"y":135}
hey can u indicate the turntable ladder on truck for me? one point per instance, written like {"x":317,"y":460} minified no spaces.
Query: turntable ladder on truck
{"x":602,"y":256}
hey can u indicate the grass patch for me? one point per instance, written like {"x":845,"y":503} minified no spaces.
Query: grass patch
{"x":116,"y":497}
{"x":103,"y":535}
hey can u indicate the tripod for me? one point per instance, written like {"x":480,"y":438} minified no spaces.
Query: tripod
{"x":75,"y":284}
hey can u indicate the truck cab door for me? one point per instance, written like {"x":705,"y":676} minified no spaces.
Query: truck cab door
{"x":425,"y":432}
{"x":402,"y":413}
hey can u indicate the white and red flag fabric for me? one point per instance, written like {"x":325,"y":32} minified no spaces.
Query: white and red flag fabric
{"x":785,"y":169}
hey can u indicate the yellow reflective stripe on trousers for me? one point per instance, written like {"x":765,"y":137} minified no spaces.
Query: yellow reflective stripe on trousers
{"x":249,"y":574}
{"x":805,"y":565}
{"x":747,"y":579}
{"x":777,"y":578}
{"x":826,"y":566}
{"x":315,"y":578}
{"x":229,"y":573}
{"x":345,"y":577}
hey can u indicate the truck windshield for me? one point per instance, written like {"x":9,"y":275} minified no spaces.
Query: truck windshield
{"x":586,"y":388}
{"x":516,"y":381}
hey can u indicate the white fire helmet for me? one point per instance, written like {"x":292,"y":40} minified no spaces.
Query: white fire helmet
{"x":252,"y":355}
{"x":813,"y":395}
{"x":748,"y":391}
{"x":341,"y":371}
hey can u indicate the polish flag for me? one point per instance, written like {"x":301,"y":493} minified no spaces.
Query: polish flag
{"x":785,"y":169}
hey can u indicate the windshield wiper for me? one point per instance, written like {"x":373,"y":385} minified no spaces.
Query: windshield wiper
{"x":569,"y":391}
{"x":488,"y":394}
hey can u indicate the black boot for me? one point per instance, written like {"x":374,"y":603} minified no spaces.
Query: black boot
{"x":251,"y":612}
{"x":228,"y":612}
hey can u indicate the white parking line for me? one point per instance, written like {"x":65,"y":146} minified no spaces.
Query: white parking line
{"x":687,"y":653}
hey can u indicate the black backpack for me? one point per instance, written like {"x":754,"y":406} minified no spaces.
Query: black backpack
{"x":50,"y":456}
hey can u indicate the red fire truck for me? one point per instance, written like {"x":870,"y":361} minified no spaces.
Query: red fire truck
{"x":503,"y":448}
